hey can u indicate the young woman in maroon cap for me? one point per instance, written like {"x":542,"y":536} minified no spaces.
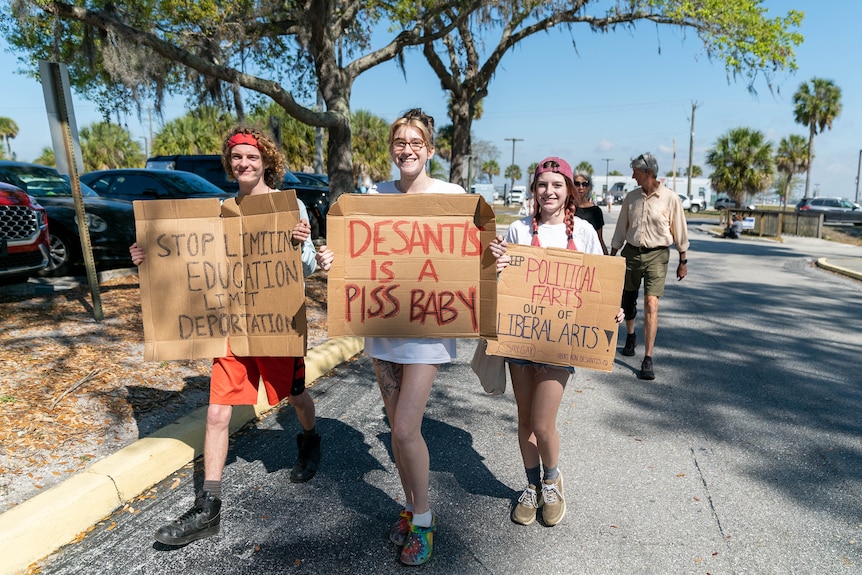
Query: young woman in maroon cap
{"x":539,"y":387}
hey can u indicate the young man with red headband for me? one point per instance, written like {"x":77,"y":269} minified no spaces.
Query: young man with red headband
{"x":255,"y":162}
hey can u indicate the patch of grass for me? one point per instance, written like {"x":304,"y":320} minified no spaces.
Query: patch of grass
{"x":7,"y":398}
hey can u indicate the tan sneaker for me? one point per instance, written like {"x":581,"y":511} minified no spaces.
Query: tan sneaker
{"x":525,"y":511}
{"x":553,"y":503}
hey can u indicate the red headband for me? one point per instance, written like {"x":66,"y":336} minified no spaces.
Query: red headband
{"x":237,"y":139}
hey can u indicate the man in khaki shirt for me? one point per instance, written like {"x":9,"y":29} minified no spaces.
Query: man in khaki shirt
{"x":651,"y":220}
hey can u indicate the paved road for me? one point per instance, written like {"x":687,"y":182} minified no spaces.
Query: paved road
{"x":743,"y":456}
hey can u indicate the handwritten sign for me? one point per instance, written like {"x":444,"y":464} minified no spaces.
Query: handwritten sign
{"x":216,"y":273}
{"x":411,"y":266}
{"x":558,"y":307}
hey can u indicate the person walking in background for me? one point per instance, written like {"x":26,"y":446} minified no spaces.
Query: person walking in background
{"x":256,"y":163}
{"x":406,"y":367}
{"x":651,"y":219}
{"x":585,"y":208}
{"x":539,"y":388}
{"x":610,"y":200}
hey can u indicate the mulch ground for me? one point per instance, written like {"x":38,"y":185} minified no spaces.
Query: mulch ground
{"x":73,"y":390}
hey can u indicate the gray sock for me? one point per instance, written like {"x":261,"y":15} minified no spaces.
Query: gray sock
{"x":214,"y":488}
{"x":551,"y":473}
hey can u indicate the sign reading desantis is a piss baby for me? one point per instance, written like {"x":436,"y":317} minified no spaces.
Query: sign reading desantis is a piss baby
{"x":221,"y":273}
{"x":411,"y":266}
{"x":558,"y":307}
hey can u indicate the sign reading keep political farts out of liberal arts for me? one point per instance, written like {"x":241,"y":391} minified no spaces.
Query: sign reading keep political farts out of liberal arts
{"x":411,"y":266}
{"x":558,"y":307}
{"x":218,"y":273}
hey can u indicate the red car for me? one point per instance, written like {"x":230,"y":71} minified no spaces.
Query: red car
{"x":24,"y":243}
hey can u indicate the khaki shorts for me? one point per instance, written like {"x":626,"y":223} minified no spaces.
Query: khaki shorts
{"x":651,"y":267}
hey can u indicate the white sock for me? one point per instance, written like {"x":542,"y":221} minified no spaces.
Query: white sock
{"x":422,"y":519}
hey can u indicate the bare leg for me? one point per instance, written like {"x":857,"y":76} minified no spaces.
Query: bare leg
{"x":304,"y":406}
{"x":538,"y":393}
{"x":216,"y":440}
{"x":650,"y":322}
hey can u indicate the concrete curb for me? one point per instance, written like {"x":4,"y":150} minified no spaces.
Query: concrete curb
{"x":44,"y":523}
{"x":829,"y":264}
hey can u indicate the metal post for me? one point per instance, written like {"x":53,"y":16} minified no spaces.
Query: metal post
{"x":512,"y":185}
{"x":607,"y":162}
{"x":146,"y":147}
{"x":858,"y":166}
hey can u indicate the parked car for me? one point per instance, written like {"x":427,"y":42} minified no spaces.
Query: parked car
{"x":834,"y":210}
{"x":209,"y":167}
{"x":694,"y":205}
{"x":313,"y":180}
{"x":723,"y":203}
{"x":141,"y":184}
{"x":24,"y":242}
{"x":111,"y":222}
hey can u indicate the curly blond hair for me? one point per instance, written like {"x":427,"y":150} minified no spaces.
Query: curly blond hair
{"x":273,"y":175}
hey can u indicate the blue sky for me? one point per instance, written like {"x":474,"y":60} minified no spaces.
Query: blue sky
{"x":618,"y":95}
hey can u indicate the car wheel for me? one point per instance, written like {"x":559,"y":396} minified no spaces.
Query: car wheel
{"x":694,"y":208}
{"x":720,"y":208}
{"x":61,"y":256}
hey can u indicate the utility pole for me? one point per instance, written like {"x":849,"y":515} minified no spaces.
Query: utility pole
{"x":691,"y":148}
{"x":607,"y":162}
{"x":858,"y":166}
{"x":673,"y":169}
{"x":512,"y":171}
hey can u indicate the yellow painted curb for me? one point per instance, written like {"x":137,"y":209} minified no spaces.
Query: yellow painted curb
{"x":44,"y":523}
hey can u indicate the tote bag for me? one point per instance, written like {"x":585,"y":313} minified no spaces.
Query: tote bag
{"x":491,"y":369}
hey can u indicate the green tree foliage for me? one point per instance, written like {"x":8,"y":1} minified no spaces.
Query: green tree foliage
{"x":491,"y":168}
{"x":129,"y":53}
{"x":742,"y":163}
{"x":791,"y":158}
{"x":736,"y":32}
{"x":198,"y":132}
{"x":106,"y":146}
{"x":816,"y":105}
{"x":513,"y":172}
{"x":585,"y":166}
{"x":46,"y":157}
{"x":696,"y":171}
{"x":297,"y":139}
{"x":8,"y":131}
{"x":370,"y":147}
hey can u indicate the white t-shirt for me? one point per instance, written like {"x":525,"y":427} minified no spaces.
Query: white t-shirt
{"x":430,"y":350}
{"x":554,"y":235}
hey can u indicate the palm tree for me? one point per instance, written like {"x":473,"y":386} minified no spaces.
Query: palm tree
{"x":585,"y":166}
{"x":370,"y":147}
{"x":491,"y":168}
{"x":743,"y":164}
{"x":817,"y":103}
{"x":105,"y":146}
{"x":46,"y":158}
{"x":8,"y":131}
{"x":790,"y":159}
{"x":198,"y":132}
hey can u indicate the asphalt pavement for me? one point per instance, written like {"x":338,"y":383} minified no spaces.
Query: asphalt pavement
{"x":743,"y":456}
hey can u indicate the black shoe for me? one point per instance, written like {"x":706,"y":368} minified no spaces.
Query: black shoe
{"x":646,"y":369}
{"x":202,"y":520}
{"x":308,"y":458}
{"x":631,"y":342}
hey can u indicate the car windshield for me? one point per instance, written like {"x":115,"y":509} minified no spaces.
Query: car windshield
{"x":192,"y":182}
{"x":46,"y":182}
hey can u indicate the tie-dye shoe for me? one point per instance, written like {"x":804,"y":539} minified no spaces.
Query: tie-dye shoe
{"x":418,"y":545}
{"x":398,"y":531}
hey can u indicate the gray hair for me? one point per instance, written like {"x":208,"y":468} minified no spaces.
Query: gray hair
{"x":647,"y":163}
{"x":585,"y":176}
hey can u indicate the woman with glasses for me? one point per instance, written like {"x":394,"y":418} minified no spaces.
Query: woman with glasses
{"x":539,"y":387}
{"x":585,"y":208}
{"x":406,"y":367}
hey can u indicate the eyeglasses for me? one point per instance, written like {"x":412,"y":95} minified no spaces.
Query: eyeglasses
{"x":415,"y":145}
{"x":581,"y":184}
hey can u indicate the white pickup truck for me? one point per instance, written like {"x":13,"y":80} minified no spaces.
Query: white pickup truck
{"x":693,"y":205}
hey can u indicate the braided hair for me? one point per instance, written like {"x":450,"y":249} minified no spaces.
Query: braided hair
{"x":569,"y":218}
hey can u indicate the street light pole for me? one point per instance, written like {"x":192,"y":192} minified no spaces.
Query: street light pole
{"x":607,"y":162}
{"x":858,"y":166}
{"x":512,"y":171}
{"x":146,"y":147}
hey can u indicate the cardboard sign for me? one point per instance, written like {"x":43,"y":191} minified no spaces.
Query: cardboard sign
{"x":558,"y":307}
{"x":217,"y":272}
{"x":411,"y":266}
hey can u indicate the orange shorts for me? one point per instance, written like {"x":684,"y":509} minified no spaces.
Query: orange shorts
{"x":235,"y":379}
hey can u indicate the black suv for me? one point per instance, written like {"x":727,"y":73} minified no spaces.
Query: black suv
{"x":209,"y":167}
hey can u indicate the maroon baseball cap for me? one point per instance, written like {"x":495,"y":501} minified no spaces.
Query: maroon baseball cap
{"x":554,"y":164}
